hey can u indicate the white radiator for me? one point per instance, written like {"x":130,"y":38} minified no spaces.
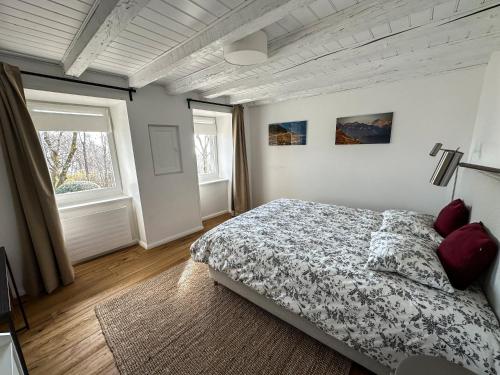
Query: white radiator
{"x":92,"y":231}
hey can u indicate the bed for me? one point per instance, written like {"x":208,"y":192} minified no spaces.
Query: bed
{"x":305,"y":262}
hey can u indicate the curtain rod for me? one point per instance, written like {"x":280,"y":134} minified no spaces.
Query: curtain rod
{"x":130,"y":90}
{"x":189,"y":100}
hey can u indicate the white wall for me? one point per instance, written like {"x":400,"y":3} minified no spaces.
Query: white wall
{"x":481,"y":191}
{"x":126,"y":158}
{"x":485,"y":148}
{"x":395,"y":175}
{"x":213,"y":199}
{"x":170,"y":204}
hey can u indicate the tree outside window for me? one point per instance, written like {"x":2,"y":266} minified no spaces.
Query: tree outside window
{"x":78,"y":161}
{"x":205,"y":146}
{"x":206,"y":153}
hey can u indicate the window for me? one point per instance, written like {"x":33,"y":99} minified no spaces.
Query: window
{"x":205,"y":142}
{"x":77,"y":142}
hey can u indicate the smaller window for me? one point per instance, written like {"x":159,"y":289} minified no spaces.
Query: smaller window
{"x":205,"y":143}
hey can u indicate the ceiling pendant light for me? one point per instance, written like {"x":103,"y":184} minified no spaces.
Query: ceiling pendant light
{"x":250,"y":50}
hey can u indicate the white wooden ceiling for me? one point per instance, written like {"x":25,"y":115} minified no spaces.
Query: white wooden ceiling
{"x":315,"y":46}
{"x":160,"y":26}
{"x":41,"y":28}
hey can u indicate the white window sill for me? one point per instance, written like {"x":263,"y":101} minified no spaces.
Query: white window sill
{"x":93,"y":203}
{"x":216,"y":181}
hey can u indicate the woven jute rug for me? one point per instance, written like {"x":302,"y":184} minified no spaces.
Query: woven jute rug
{"x":179,"y":323}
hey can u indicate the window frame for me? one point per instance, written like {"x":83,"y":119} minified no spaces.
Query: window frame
{"x":90,"y":196}
{"x":208,"y":177}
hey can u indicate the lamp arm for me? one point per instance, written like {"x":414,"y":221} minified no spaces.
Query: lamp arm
{"x":454,"y":185}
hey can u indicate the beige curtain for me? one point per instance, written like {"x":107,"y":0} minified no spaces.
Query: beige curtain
{"x":241,"y":187}
{"x":46,"y":265}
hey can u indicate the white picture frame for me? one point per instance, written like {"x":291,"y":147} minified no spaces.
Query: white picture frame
{"x":165,"y":149}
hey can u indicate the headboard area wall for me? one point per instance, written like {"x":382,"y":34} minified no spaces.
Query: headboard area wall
{"x":481,"y":190}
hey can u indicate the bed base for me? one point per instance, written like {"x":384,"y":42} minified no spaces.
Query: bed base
{"x":298,"y":322}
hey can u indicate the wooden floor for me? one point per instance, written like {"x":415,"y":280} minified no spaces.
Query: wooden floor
{"x":65,"y":336}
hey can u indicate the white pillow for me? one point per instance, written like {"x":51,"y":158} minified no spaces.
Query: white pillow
{"x":410,"y":223}
{"x":412,"y":257}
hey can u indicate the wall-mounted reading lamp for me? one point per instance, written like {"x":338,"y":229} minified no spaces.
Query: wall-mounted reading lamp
{"x":448,"y":165}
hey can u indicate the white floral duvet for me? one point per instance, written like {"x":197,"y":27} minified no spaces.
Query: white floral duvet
{"x":310,"y":259}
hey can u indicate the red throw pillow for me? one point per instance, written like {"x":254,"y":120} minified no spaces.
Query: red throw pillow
{"x":455,"y":215}
{"x":466,"y":253}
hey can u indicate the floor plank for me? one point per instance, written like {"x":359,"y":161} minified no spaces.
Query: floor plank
{"x":65,"y":336}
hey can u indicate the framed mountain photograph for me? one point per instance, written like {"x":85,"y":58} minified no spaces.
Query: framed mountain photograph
{"x":364,"y":129}
{"x":288,"y":133}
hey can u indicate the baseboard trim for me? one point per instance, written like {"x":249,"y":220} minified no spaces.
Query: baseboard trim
{"x":151,"y":245}
{"x":214,"y":215}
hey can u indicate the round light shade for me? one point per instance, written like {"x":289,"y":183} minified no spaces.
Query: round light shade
{"x":250,"y":50}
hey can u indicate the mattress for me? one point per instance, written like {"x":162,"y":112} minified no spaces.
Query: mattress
{"x":310,"y":259}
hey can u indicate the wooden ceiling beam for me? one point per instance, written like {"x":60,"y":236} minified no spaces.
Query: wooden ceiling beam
{"x":252,"y":17}
{"x":410,"y":65}
{"x":453,"y":28}
{"x":374,"y":79}
{"x":350,"y":21}
{"x":108,"y":19}
{"x":426,"y":61}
